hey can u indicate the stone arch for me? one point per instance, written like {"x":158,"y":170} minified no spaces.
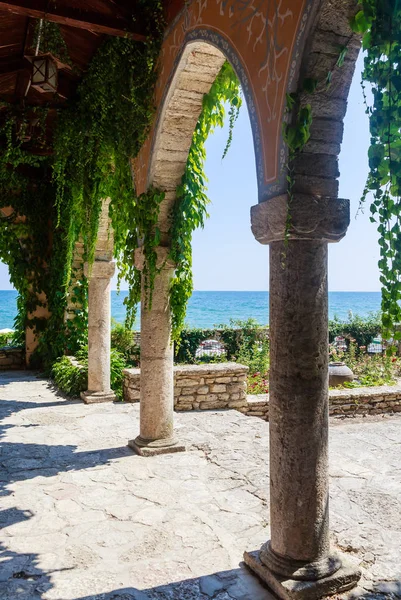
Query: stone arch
{"x":264,"y":42}
{"x":197,"y":68}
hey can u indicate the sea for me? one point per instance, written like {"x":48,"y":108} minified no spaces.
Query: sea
{"x":209,"y":309}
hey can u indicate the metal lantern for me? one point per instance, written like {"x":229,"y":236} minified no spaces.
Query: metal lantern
{"x":44,"y":73}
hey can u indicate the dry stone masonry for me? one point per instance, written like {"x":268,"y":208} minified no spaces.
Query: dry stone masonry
{"x":346,"y":403}
{"x":199,"y":387}
{"x":223,"y":385}
{"x":11,"y":358}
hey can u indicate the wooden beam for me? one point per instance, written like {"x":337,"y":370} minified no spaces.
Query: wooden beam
{"x":81,"y":19}
{"x":11,"y":64}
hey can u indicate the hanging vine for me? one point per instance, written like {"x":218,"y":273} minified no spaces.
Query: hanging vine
{"x":190,"y":210}
{"x":379,"y":21}
{"x":97,"y":134}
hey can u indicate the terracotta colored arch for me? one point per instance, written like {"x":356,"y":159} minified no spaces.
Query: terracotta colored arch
{"x":263,"y":40}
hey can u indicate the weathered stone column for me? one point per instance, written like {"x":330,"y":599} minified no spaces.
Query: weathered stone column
{"x":99,"y":326}
{"x":157,"y":378}
{"x":298,"y":562}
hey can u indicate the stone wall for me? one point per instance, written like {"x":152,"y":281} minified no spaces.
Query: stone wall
{"x":199,"y":387}
{"x":11,"y":358}
{"x":223,"y":385}
{"x":357,"y":401}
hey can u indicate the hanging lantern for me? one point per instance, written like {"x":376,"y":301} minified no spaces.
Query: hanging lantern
{"x":44,"y":73}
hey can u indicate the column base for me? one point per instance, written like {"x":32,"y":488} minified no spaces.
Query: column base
{"x":96,"y":397}
{"x":154,"y":447}
{"x":285,"y":588}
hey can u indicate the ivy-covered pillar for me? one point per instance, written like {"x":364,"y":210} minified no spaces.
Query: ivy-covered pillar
{"x":156,"y":433}
{"x":297,"y":561}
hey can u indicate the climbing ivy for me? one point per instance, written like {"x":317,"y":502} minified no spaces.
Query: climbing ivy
{"x":143,"y":235}
{"x":48,"y":38}
{"x":379,"y":21}
{"x":297,"y":125}
{"x":57,"y":197}
{"x":190,"y":209}
{"x":97,"y":135}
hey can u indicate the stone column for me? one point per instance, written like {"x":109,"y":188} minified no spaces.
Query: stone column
{"x":156,"y":434}
{"x":99,"y":325}
{"x":298,"y":562}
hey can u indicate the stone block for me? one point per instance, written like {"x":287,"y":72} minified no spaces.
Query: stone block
{"x":216,"y":389}
{"x":209,"y":398}
{"x":236,"y":404}
{"x":184,"y":400}
{"x":236,"y":387}
{"x":187,"y":391}
{"x":223,"y":379}
{"x":186,"y":382}
{"x":182,"y":407}
{"x":212,"y":405}
{"x":202,"y":390}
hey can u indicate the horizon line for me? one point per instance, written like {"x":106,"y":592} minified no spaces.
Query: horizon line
{"x":251,"y":291}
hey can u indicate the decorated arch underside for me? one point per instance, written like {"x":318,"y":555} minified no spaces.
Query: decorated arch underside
{"x":273,"y":46}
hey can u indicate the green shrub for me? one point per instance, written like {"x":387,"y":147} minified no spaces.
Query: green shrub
{"x":4,"y":339}
{"x":256,"y":357}
{"x":235,"y":336}
{"x":361,"y":329}
{"x":117,"y":364}
{"x":70,"y":378}
{"x":123,"y":340}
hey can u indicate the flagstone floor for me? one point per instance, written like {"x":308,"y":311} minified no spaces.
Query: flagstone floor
{"x":83,"y":518}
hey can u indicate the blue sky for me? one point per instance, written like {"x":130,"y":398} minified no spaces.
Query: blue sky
{"x":225,"y":253}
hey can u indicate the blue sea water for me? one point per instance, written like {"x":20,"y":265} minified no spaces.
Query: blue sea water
{"x":207,"y":309}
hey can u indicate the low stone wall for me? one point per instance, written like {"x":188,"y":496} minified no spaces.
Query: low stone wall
{"x":223,"y":385}
{"x":365,"y":400}
{"x":199,"y":387}
{"x":11,"y":358}
{"x":356,"y":401}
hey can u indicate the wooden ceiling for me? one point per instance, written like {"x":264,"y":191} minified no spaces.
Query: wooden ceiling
{"x":83,"y":25}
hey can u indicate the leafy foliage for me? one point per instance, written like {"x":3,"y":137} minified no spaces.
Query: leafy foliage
{"x":123,"y":340}
{"x":380,"y":23}
{"x":369,"y":370}
{"x":69,"y":378}
{"x":48,"y":38}
{"x":238,"y":337}
{"x":144,"y":236}
{"x":57,"y":197}
{"x":72,"y":379}
{"x":360,"y":329}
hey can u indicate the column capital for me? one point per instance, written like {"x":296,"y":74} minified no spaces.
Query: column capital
{"x":100,"y":269}
{"x":163,"y":260}
{"x":312,"y":218}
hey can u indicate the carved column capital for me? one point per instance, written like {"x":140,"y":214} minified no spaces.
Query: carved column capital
{"x":312,"y":218}
{"x":100,"y":269}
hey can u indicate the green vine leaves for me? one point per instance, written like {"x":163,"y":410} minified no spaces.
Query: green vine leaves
{"x":98,"y":132}
{"x":380,"y":24}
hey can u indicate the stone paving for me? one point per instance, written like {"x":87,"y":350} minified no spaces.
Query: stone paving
{"x":83,"y":518}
